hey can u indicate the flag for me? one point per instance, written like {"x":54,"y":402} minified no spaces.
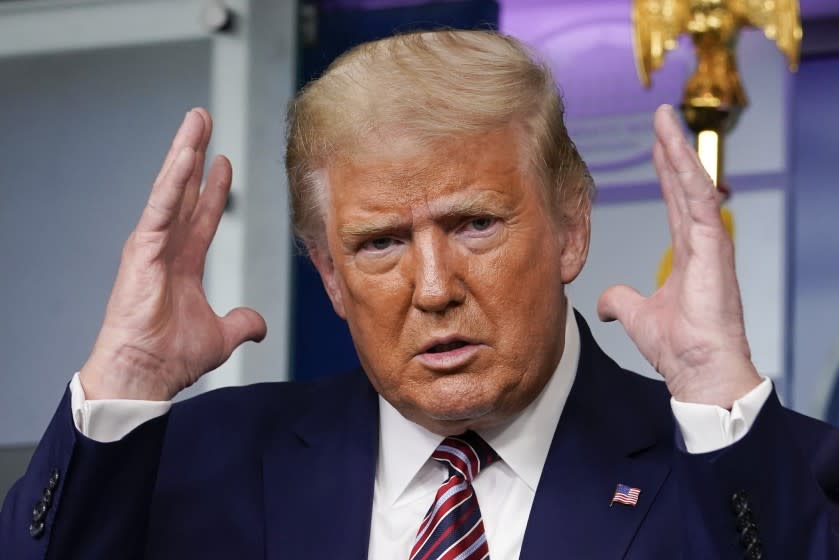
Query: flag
{"x":625,"y":495}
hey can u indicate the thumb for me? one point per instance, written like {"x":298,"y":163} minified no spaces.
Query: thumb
{"x":240,"y":325}
{"x":618,"y":302}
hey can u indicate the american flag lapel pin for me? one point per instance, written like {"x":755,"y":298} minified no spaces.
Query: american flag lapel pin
{"x":625,"y":495}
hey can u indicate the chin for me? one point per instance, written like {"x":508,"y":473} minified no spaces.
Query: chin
{"x":456,"y":417}
{"x":452,"y":403}
{"x":460,"y":413}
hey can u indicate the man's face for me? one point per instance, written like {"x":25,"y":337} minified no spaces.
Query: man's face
{"x":449,"y":271}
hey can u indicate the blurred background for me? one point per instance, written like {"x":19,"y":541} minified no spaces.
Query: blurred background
{"x":91,"y":92}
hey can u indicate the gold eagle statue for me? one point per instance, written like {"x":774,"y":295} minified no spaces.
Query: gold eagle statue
{"x":714,"y":95}
{"x":713,"y":25}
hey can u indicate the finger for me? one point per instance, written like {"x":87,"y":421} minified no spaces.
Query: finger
{"x":212,"y":201}
{"x":674,"y":204}
{"x":240,"y":325}
{"x":207,"y":131}
{"x":662,"y":161}
{"x":193,"y":186}
{"x":189,"y":135}
{"x":693,"y":183}
{"x":166,"y":195}
{"x":619,"y":303}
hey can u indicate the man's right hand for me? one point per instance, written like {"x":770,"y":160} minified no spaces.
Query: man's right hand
{"x":159,"y":334}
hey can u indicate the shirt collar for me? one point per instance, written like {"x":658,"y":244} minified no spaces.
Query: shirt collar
{"x":522,"y":443}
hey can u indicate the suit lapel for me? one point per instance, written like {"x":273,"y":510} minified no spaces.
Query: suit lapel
{"x":604,"y":437}
{"x":318,"y":479}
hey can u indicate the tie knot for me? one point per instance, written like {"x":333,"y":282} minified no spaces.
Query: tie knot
{"x":465,"y":455}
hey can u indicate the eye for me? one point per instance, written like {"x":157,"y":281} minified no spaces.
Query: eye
{"x":480,"y":225}
{"x":378,"y":244}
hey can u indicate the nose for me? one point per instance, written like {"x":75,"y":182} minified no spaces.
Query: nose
{"x":438,"y":286}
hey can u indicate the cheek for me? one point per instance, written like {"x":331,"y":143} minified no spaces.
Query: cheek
{"x":518,"y":288}
{"x":373,"y":293}
{"x":527,"y":262}
{"x":376,"y":311}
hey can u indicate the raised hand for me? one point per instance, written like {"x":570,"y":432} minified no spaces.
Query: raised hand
{"x":691,"y":329}
{"x":159,"y":334}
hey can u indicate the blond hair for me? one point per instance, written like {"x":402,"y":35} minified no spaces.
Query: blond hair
{"x":431,"y":86}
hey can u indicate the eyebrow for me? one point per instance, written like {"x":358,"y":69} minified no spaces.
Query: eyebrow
{"x":372,"y":227}
{"x":478,"y":205}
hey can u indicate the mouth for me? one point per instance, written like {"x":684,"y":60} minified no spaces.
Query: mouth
{"x":442,"y":344}
{"x":447,"y":347}
{"x":448,"y":353}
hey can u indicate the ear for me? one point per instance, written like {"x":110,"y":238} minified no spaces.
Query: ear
{"x":322,"y":260}
{"x":576,"y":235}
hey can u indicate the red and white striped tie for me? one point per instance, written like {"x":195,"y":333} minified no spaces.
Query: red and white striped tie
{"x":453,"y":529}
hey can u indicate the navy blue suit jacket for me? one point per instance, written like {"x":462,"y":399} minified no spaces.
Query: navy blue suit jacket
{"x":286,"y":470}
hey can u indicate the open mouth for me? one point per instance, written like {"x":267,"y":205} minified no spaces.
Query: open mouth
{"x":447,"y":347}
{"x":449,"y":353}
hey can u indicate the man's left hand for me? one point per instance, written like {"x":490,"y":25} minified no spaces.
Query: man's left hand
{"x":691,"y":329}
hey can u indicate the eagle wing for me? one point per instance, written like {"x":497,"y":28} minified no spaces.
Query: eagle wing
{"x":780,"y":21}
{"x":657,"y":25}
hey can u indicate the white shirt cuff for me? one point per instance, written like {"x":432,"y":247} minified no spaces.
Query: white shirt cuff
{"x":110,"y":420}
{"x":707,"y":427}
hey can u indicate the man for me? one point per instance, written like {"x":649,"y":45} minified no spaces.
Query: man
{"x":445,"y":208}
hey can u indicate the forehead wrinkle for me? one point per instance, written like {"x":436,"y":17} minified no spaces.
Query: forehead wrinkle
{"x":463,"y":203}
{"x":425,"y":185}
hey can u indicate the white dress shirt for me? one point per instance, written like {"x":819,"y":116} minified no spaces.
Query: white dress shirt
{"x":407,"y":478}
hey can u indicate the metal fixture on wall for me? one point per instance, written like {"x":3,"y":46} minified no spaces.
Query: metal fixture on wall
{"x":216,"y":17}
